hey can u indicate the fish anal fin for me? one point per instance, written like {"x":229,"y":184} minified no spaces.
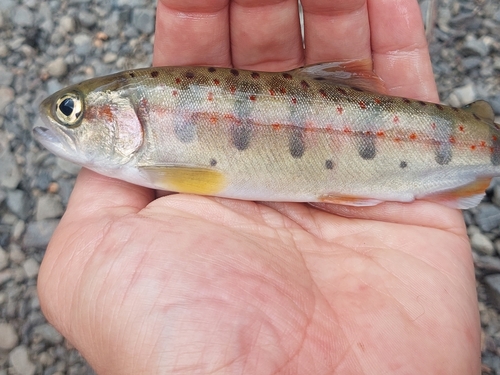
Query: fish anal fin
{"x":187,"y":179}
{"x":462,"y":197}
{"x":354,"y":73}
{"x":481,"y":109}
{"x":348,"y":200}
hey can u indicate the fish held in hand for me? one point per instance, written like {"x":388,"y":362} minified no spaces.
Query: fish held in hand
{"x":322,"y":133}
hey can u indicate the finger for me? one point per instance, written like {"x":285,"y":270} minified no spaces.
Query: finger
{"x":190,"y":32}
{"x":97,"y":195}
{"x":265,"y":35}
{"x":399,"y":47}
{"x":336,"y":30}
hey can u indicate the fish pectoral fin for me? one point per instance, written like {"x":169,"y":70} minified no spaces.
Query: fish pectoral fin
{"x":353,"y":73}
{"x":186,"y":179}
{"x":462,"y":197}
{"x":348,"y":200}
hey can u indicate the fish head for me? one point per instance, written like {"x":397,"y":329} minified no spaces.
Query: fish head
{"x":91,"y":125}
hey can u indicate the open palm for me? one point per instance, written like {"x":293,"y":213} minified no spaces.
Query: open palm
{"x":188,"y":284}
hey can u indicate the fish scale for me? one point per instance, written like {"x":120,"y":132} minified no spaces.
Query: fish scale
{"x":318,"y":133}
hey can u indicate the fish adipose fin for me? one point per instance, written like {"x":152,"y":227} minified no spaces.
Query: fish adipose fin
{"x":481,"y":109}
{"x":353,"y":73}
{"x":186,"y":179}
{"x":462,"y":197}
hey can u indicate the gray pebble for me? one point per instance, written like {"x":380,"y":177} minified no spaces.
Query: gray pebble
{"x":6,"y":97}
{"x":4,"y":50}
{"x":495,"y":103}
{"x":131,"y":3}
{"x":48,"y":333}
{"x":31,"y":267}
{"x":6,"y":76}
{"x":18,"y":203}
{"x":22,"y":16}
{"x":67,"y":24}
{"x":482,"y":244}
{"x":19,"y":359}
{"x":113,"y":26}
{"x":53,"y":85}
{"x":4,"y":259}
{"x":8,"y":337}
{"x":87,"y":19}
{"x":488,"y":217}
{"x":18,"y":230}
{"x":109,"y":57}
{"x":49,"y":206}
{"x":465,"y":95}
{"x":489,"y":264}
{"x":38,"y":233}
{"x":473,"y":46}
{"x":83,"y":44}
{"x":143,"y":20}
{"x":6,"y":275}
{"x":16,"y":255}
{"x":57,"y":68}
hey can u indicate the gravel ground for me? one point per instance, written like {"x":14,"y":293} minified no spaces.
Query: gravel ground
{"x":46,"y":45}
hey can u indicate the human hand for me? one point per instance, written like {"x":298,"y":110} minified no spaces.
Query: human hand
{"x":193,"y":284}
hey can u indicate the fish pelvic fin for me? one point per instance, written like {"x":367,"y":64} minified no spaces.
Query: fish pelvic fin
{"x":353,"y":73}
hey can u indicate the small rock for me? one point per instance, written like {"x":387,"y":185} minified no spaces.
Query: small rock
{"x":31,"y":267}
{"x":487,"y":263}
{"x":473,"y":46}
{"x":83,"y":44}
{"x":4,"y":259}
{"x":143,"y":20}
{"x":22,"y":16}
{"x":465,"y":94}
{"x":6,"y":97}
{"x":16,"y":255}
{"x":67,"y":24}
{"x":10,"y":175}
{"x":18,"y":203}
{"x":4,"y":50}
{"x":6,"y":275}
{"x":57,"y":68}
{"x":38,"y":233}
{"x":19,"y":359}
{"x":18,"y":229}
{"x":109,"y":57}
{"x":6,"y":76}
{"x":8,"y":337}
{"x":482,"y":244}
{"x":48,"y":333}
{"x":87,"y":19}
{"x":46,"y":359}
{"x":488,"y":217}
{"x":49,"y":207}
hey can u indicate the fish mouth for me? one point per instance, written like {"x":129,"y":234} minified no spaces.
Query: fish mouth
{"x":55,"y":141}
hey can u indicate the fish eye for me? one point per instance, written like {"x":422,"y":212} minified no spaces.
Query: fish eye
{"x":69,"y":109}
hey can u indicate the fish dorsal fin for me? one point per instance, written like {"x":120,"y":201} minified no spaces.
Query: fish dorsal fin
{"x":481,"y":109}
{"x":353,"y":73}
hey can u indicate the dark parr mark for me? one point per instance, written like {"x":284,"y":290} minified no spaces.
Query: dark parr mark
{"x":443,"y":153}
{"x":189,"y":75}
{"x":154,"y":73}
{"x":184,"y":129}
{"x":329,"y":164}
{"x":495,"y":151}
{"x":357,"y":89}
{"x":213,"y":162}
{"x":212,"y":69}
{"x":241,"y":135}
{"x":255,"y":75}
{"x":319,"y":78}
{"x":235,"y":72}
{"x":366,"y":146}
{"x":403,"y":164}
{"x":296,"y":144}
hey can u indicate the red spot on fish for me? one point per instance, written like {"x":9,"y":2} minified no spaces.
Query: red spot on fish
{"x":105,"y":112}
{"x":413,"y":136}
{"x":494,"y":138}
{"x":253,"y":97}
{"x":177,"y":80}
{"x":461,"y":128}
{"x":287,"y":76}
{"x":378,"y":101}
{"x":483,"y":144}
{"x":294,"y":100}
{"x":380,"y":133}
{"x":340,"y":110}
{"x":347,"y":130}
{"x":271,"y":92}
{"x":214,"y":119}
{"x":362,"y":105}
{"x":283,"y":90}
{"x":255,"y":75}
{"x":368,"y":132}
{"x":174,"y":92}
{"x":397,"y":139}
{"x":395,"y":119}
{"x":452,"y":139}
{"x":232,"y":89}
{"x":433,"y":126}
{"x":473,"y":147}
{"x":304,"y":85}
{"x":322,"y":93}
{"x":276,"y":126}
{"x":329,"y":129}
{"x":309,"y":126}
{"x":210,"y":96}
{"x":216,"y":82}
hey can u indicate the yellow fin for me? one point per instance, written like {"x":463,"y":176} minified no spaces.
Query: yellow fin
{"x":462,"y":197}
{"x":193,"y":180}
{"x":481,"y":109}
{"x":353,"y":73}
{"x":348,"y":200}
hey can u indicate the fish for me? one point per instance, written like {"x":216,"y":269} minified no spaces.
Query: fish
{"x":321,"y":133}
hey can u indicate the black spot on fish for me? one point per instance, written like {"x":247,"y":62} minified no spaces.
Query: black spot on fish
{"x":211,"y":69}
{"x":329,"y":164}
{"x":439,"y":106}
{"x":422,"y":103}
{"x":132,"y":75}
{"x":255,"y":75}
{"x":455,"y":109}
{"x":296,"y":144}
{"x":287,"y":76}
{"x":241,"y":135}
{"x":366,"y":147}
{"x":403,"y":164}
{"x":319,"y":78}
{"x":154,"y":73}
{"x":341,"y":90}
{"x":189,"y":75}
{"x":213,"y":162}
{"x":357,"y":89}
{"x":304,"y":85}
{"x":235,"y":72}
{"x":443,"y":153}
{"x":406,"y":100}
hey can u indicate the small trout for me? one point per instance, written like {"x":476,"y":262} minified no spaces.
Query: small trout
{"x":315,"y":134}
